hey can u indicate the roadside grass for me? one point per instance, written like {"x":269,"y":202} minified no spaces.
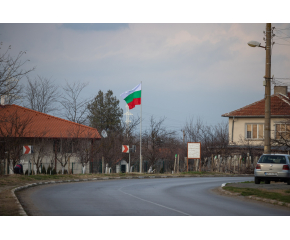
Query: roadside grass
{"x":285,"y":197}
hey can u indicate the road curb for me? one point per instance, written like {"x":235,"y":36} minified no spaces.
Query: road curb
{"x":267,"y":200}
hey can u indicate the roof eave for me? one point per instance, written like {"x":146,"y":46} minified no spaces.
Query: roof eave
{"x":258,"y":116}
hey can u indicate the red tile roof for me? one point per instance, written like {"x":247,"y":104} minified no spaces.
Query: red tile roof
{"x":280,"y":106}
{"x":17,"y":121}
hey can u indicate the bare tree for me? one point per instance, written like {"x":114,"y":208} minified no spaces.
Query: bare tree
{"x":39,"y":152}
{"x":13,"y":128}
{"x":10,"y":74}
{"x":153,"y":139}
{"x":84,"y":151}
{"x":282,"y":135}
{"x":63,"y":151}
{"x":75,"y":108}
{"x":41,"y":95}
{"x":213,"y":139}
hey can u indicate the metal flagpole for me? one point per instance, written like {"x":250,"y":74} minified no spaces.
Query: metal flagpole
{"x":141,"y":132}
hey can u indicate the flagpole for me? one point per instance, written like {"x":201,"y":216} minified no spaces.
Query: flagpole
{"x":141,"y":132}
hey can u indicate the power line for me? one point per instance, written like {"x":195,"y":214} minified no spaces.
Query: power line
{"x":282,"y":44}
{"x":282,"y":28}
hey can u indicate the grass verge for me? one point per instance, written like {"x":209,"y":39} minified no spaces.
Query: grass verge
{"x":282,"y":197}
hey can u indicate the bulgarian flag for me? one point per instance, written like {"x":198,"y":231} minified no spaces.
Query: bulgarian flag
{"x":132,"y":97}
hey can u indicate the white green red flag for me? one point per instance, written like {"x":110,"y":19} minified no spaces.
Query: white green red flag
{"x":132,"y":97}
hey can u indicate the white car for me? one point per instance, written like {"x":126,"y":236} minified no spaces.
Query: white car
{"x":273,"y":167}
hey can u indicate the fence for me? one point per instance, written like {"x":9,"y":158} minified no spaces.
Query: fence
{"x":228,"y":164}
{"x":222,"y":164}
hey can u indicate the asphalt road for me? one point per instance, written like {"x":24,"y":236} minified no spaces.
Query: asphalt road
{"x":144,"y":197}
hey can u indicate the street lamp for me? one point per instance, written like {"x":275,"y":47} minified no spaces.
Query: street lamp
{"x":267,"y":84}
{"x":255,"y":44}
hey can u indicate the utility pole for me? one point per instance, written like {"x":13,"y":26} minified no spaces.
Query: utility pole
{"x":267,"y":129}
{"x":183,"y":136}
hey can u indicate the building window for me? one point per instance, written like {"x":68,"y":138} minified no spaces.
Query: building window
{"x":282,"y":131}
{"x":64,"y":146}
{"x":254,"y":131}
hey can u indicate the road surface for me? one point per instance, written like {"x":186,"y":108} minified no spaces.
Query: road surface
{"x":144,"y":197}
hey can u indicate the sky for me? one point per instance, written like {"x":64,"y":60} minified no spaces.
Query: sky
{"x":188,"y":70}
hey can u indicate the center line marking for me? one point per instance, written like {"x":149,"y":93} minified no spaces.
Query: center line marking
{"x":154,"y":203}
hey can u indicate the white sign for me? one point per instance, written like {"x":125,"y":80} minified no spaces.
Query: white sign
{"x":27,"y":149}
{"x":125,"y":148}
{"x":193,"y":150}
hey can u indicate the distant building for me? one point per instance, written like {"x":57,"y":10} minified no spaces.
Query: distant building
{"x":51,"y":137}
{"x":246,"y":125}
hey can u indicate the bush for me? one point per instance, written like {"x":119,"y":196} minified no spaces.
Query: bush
{"x":53,"y":172}
{"x":43,"y":170}
{"x":48,"y":170}
{"x":31,"y":173}
{"x":64,"y":172}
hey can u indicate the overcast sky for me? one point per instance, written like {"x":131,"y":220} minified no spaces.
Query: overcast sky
{"x":187,"y":71}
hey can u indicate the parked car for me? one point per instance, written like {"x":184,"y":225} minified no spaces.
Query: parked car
{"x":273,"y":167}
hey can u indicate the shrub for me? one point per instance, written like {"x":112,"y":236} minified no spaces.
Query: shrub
{"x":43,"y":170}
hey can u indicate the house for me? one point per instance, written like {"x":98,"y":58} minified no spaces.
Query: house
{"x":57,"y":143}
{"x":246,"y":125}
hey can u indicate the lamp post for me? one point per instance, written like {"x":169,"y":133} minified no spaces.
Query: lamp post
{"x":267,"y":84}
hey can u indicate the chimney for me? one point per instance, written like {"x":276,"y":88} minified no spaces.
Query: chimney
{"x":3,"y":99}
{"x":281,"y":89}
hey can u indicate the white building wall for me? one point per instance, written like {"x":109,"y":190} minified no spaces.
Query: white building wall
{"x":49,"y":159}
{"x":239,"y":131}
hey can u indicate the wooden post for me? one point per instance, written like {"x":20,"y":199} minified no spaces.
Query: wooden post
{"x":200,"y":164}
{"x":103,"y":164}
{"x":178,"y":163}
{"x":186,"y":159}
{"x":6,"y":166}
{"x":212,"y":162}
{"x":174,"y":168}
{"x":68,"y":166}
{"x":235,"y":159}
{"x":240,"y":163}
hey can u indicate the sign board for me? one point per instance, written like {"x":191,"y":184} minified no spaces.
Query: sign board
{"x":28,"y":149}
{"x":125,"y":148}
{"x":193,"y":150}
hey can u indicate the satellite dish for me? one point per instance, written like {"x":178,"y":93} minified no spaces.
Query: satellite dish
{"x":104,"y":134}
{"x":254,"y":44}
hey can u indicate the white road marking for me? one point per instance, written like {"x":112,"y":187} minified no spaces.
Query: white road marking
{"x":154,"y":203}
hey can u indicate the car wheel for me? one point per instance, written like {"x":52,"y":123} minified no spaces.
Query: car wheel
{"x":267,"y":182}
{"x":288,"y":182}
{"x":257,"y":180}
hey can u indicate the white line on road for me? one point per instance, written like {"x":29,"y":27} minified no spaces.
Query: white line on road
{"x":155,"y":203}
